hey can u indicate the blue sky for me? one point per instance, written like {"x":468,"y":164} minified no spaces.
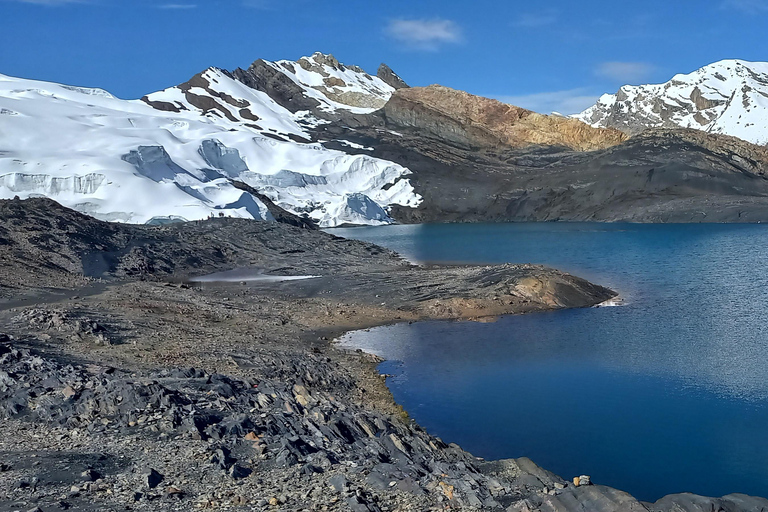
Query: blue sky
{"x":556,"y":55}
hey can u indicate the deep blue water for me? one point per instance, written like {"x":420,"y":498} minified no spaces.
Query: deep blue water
{"x":666,"y":394}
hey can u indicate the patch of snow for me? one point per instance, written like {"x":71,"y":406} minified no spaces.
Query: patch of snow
{"x":353,"y":145}
{"x":246,"y":275}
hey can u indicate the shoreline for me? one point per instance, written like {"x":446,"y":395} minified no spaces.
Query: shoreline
{"x":155,"y":395}
{"x":532,"y":487}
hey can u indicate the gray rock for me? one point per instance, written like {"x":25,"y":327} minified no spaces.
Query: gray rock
{"x":90,"y":475}
{"x":339,"y":482}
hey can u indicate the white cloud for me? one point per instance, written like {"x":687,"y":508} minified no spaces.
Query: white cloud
{"x":426,"y":35}
{"x":747,"y":6}
{"x":571,"y":101}
{"x":536,"y":20}
{"x":625,"y":72}
{"x":177,"y":7}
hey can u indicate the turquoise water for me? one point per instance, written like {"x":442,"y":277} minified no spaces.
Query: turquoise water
{"x":666,"y":394}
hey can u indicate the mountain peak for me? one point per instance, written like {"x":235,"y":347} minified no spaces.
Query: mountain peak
{"x":390,"y":77}
{"x":729,"y":97}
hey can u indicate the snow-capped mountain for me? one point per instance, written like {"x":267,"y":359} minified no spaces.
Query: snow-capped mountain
{"x":336,"y":86}
{"x":728,"y":97}
{"x":172,"y":154}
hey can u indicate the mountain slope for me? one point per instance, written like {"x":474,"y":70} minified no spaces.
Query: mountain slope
{"x":661,"y":175}
{"x":473,"y":121}
{"x":173,"y":154}
{"x":728,"y":97}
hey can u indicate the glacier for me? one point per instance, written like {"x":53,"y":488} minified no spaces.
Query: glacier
{"x":172,"y":155}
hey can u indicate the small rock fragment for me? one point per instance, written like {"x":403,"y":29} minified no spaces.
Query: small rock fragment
{"x":447,"y":490}
{"x":174,"y":491}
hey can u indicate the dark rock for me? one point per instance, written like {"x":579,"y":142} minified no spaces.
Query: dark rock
{"x":310,"y":469}
{"x":222,"y":458}
{"x":277,"y":212}
{"x":390,"y":77}
{"x":237,"y":471}
{"x":263,"y":77}
{"x":153,"y":478}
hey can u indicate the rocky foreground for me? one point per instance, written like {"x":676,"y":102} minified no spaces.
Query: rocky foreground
{"x":124,"y":387}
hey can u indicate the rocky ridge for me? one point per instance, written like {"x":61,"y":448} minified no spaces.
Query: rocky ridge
{"x":321,"y":85}
{"x":659,"y":176}
{"x":457,"y":117}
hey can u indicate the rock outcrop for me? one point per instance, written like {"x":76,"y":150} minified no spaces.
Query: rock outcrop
{"x":472,"y":121}
{"x":319,"y":84}
{"x":390,"y":77}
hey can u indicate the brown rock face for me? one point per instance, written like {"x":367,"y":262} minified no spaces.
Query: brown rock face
{"x":474,"y":121}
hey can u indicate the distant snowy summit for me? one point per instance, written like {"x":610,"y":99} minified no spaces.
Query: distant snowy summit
{"x":728,"y":97}
{"x":173,"y":154}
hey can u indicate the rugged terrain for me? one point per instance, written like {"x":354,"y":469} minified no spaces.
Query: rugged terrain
{"x":124,"y":386}
{"x":332,"y":144}
{"x":659,"y":175}
{"x":172,"y":155}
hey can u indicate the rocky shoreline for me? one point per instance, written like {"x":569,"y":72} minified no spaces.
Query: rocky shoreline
{"x":124,"y":387}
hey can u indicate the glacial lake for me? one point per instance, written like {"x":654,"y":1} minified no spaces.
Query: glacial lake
{"x":666,"y":394}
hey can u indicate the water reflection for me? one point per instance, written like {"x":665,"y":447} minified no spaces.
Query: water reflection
{"x":666,"y":394}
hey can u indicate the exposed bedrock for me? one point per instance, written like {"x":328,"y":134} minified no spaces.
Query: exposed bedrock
{"x":263,"y":77}
{"x":476,"y":122}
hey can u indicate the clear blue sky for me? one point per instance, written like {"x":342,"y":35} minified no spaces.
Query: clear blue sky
{"x":556,"y":55}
